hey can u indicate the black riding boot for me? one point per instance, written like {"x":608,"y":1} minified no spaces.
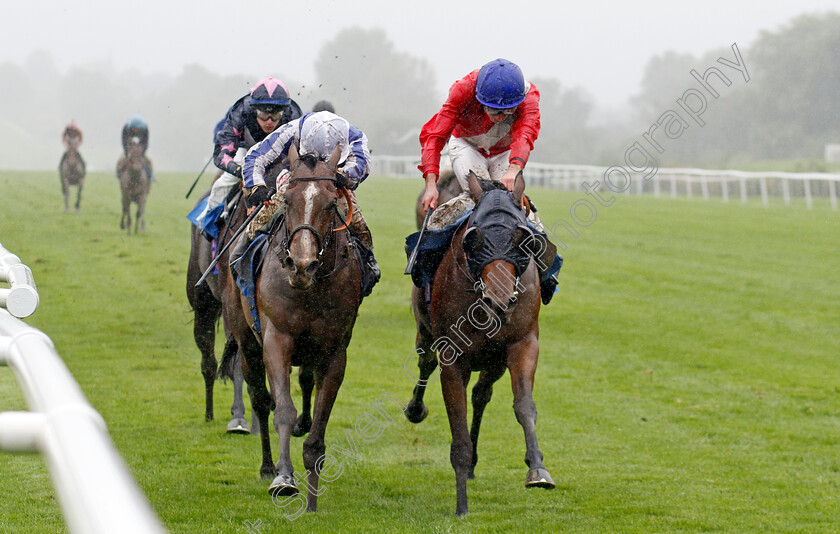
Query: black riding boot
{"x":239,"y":249}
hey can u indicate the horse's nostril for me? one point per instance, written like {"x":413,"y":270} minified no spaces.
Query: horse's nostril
{"x":312,"y":267}
{"x":288,"y":262}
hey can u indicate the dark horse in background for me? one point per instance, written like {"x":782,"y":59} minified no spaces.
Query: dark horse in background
{"x":308,"y":295}
{"x":486,"y":298}
{"x":206,"y":303}
{"x":71,"y":170}
{"x":135,"y":185}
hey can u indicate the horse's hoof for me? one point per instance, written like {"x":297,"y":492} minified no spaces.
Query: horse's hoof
{"x":282,"y":486}
{"x":539,"y":478}
{"x":302,"y":426}
{"x":238,"y":425}
{"x":415,"y":415}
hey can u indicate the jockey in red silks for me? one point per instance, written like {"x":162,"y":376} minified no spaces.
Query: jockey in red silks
{"x":491,"y":120}
{"x":72,"y":135}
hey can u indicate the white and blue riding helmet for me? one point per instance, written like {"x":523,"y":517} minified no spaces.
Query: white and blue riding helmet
{"x":320,"y":133}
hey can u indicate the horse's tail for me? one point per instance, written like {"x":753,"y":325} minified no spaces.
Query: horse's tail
{"x":229,"y":359}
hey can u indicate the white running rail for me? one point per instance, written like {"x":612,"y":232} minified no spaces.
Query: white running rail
{"x":672,"y":182}
{"x":97,"y":493}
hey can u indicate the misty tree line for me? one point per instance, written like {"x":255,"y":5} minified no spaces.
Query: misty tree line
{"x":787,"y":110}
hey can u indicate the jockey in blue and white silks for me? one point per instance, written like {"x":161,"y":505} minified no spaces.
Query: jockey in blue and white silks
{"x":317,"y":134}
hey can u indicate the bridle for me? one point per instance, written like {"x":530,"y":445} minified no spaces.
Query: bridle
{"x":322,"y":242}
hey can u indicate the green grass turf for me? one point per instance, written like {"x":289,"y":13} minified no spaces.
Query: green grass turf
{"x":688,"y":379}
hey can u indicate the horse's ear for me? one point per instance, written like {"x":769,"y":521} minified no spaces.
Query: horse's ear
{"x":332,"y":163}
{"x":293,"y":154}
{"x":518,"y":189}
{"x":475,"y":188}
{"x":472,"y":239}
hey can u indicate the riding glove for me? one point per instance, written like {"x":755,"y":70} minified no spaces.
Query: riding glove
{"x":258,"y":195}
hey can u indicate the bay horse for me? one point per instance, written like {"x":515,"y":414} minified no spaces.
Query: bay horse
{"x":483,"y":317}
{"x":206,"y":303}
{"x":71,"y":170}
{"x":308,"y":295}
{"x":135,"y":185}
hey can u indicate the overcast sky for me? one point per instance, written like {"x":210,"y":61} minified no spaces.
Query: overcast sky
{"x":598,"y":45}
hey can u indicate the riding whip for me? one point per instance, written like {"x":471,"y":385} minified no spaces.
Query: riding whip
{"x":413,"y":259}
{"x":199,"y":176}
{"x":227,"y":246}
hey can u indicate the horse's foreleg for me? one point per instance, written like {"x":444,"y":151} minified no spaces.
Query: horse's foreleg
{"x":253,"y":371}
{"x":481,"y":395}
{"x":237,"y":424}
{"x":303,"y":423}
{"x":416,"y":410}
{"x":277,"y":355}
{"x":522,"y":362}
{"x":140,"y":219}
{"x":329,"y":377}
{"x":125,"y":222}
{"x":78,"y":196}
{"x":65,"y":189}
{"x":205,"y":338}
{"x":453,"y":382}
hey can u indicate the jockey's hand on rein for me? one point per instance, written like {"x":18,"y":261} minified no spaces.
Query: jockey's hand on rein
{"x":258,"y":196}
{"x":342,"y":180}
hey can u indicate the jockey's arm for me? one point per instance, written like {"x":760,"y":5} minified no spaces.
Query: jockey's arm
{"x":266,"y":152}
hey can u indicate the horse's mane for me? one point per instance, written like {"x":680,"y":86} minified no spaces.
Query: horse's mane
{"x":310,"y":160}
{"x":489,"y":185}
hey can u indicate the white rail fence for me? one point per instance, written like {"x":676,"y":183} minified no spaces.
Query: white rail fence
{"x":94,"y":487}
{"x":723,"y":184}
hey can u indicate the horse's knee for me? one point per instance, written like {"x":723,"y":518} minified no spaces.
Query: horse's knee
{"x":313,"y":449}
{"x":525,"y":410}
{"x":481,"y":394}
{"x":460,"y":454}
{"x":284,"y":414}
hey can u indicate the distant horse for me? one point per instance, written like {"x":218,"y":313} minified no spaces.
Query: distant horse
{"x":448,"y":188}
{"x":72,"y":170}
{"x":135,"y":185}
{"x":307,"y":298}
{"x":206,"y":304}
{"x":483,"y":316}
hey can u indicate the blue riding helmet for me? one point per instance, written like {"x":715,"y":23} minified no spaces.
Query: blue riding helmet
{"x":500,"y":84}
{"x":136,"y":122}
{"x":270,"y":91}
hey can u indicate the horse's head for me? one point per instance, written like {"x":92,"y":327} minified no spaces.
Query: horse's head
{"x":311,"y":198}
{"x":493,"y":242}
{"x":134,"y":153}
